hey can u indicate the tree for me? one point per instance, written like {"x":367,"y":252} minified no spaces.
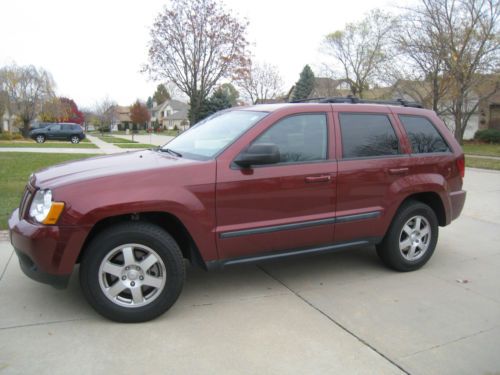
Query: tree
{"x":221,"y":99}
{"x":105,"y":114}
{"x":61,"y":110}
{"x":195,"y":43}
{"x":149,"y":102}
{"x":304,"y":85}
{"x":4,"y":105}
{"x":465,"y":32}
{"x":161,"y":94}
{"x":231,"y":93}
{"x":27,"y":88}
{"x":361,"y":49}
{"x":260,"y":82}
{"x":139,"y":115}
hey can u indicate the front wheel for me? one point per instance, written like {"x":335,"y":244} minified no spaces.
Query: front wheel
{"x":75,"y":139}
{"x":40,"y":138}
{"x":411,"y":239}
{"x":132,"y":272}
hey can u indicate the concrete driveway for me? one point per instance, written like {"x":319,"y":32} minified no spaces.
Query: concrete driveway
{"x":336,"y":314}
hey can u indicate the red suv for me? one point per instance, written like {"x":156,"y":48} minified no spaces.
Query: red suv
{"x":245,"y":185}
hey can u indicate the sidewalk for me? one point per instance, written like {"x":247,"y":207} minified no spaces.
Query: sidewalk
{"x":105,"y":147}
{"x":482,"y":156}
{"x":61,"y":150}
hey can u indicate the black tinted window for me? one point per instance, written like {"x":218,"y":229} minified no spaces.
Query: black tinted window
{"x":299,"y":138}
{"x":55,"y":127}
{"x":423,"y":136}
{"x":365,"y":135}
{"x":67,"y":127}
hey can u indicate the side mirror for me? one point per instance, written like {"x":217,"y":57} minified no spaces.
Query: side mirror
{"x":258,"y":154}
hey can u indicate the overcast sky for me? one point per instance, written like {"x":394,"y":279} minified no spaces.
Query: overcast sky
{"x":95,"y":48}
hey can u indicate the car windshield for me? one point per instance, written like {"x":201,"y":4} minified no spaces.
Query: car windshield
{"x":212,"y":135}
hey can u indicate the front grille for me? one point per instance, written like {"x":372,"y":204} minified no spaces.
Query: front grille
{"x":26,"y":201}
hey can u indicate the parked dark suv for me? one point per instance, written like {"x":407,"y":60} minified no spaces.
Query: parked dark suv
{"x":245,"y":185}
{"x":58,"y":131}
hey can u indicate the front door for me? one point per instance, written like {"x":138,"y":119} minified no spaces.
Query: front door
{"x":284,"y":206}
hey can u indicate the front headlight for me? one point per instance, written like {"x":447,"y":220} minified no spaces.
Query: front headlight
{"x":43,"y":210}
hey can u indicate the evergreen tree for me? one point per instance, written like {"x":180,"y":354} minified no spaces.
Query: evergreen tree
{"x":304,"y":85}
{"x":149,"y":102}
{"x":161,"y":94}
{"x":220,"y":99}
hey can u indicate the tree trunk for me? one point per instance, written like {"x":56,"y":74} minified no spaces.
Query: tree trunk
{"x":26,"y":128}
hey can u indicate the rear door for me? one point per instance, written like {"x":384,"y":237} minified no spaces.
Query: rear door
{"x":284,"y":206}
{"x":54,"y":131}
{"x":373,"y":162}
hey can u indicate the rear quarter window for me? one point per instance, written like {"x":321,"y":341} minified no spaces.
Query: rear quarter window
{"x":367,"y":135}
{"x":423,"y":135}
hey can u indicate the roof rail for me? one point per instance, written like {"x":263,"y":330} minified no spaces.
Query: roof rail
{"x":354,"y":100}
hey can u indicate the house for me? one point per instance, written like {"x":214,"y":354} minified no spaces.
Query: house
{"x":6,"y":121}
{"x":121,"y":118}
{"x":171,"y":114}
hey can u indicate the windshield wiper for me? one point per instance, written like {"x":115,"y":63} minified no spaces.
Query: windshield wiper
{"x":170,"y":151}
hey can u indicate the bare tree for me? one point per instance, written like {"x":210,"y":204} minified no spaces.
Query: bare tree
{"x":361,"y":49}
{"x":260,"y":82}
{"x":27,"y":88}
{"x":466,"y":32}
{"x":195,"y":43}
{"x":420,"y":68}
{"x":105,"y":114}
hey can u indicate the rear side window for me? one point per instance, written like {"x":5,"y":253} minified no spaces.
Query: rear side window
{"x":367,"y":135}
{"x":299,"y":138}
{"x":55,"y":127}
{"x":423,"y":136}
{"x":67,"y":127}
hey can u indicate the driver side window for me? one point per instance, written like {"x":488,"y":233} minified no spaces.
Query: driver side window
{"x":300,"y":138}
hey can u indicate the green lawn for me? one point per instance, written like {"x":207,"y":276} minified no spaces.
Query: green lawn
{"x":134,"y":145}
{"x":485,"y":149}
{"x":83,"y":144}
{"x":110,"y":139}
{"x":14,"y":173}
{"x":473,"y":162}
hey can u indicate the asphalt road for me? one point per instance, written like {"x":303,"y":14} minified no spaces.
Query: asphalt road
{"x":341,"y":313}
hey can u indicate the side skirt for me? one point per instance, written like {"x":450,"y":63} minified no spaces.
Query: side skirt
{"x":261,"y":257}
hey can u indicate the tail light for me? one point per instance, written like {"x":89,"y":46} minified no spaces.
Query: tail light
{"x":461,"y":165}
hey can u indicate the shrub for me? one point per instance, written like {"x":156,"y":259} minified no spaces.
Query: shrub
{"x":488,"y":135}
{"x":11,"y":136}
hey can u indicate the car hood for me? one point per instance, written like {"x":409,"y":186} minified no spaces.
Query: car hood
{"x":104,"y":167}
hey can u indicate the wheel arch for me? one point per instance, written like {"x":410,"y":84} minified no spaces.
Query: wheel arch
{"x":167,"y":221}
{"x":431,"y":199}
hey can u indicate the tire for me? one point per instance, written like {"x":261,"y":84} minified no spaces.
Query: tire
{"x":40,"y":138}
{"x":132,"y":272}
{"x":411,"y":238}
{"x":74,"y":139}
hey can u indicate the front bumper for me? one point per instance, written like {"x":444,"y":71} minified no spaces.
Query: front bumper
{"x":47,"y":253}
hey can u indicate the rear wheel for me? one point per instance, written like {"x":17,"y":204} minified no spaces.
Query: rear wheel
{"x":75,"y":139}
{"x":411,"y":239}
{"x":40,"y":138}
{"x":132,"y":272}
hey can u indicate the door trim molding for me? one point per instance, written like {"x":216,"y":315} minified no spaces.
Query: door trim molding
{"x":300,"y":225}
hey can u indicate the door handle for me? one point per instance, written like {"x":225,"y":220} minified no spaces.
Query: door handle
{"x":398,"y":170}
{"x":325,"y":178}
